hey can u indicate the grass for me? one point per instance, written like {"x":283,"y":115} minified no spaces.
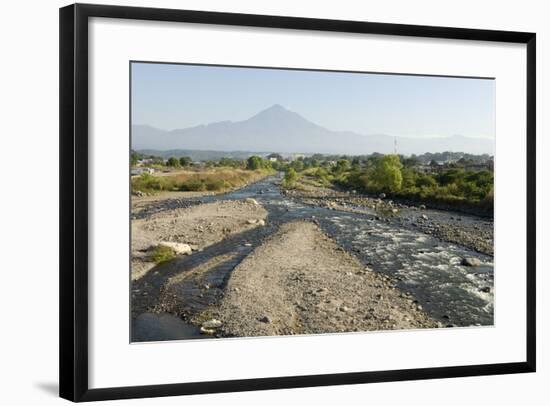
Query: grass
{"x":162,"y":254}
{"x":215,"y":179}
{"x":316,"y":177}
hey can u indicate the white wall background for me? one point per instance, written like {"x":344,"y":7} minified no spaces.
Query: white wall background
{"x":29,"y":208}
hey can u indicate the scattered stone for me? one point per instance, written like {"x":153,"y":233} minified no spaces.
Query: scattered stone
{"x":344,"y":309}
{"x":470,"y":261}
{"x":208,"y":331}
{"x":251,"y":221}
{"x":424,"y":217}
{"x":178,"y":248}
{"x":212,"y":324}
{"x":265,"y":319}
{"x":485,"y":289}
{"x":261,"y":222}
{"x":251,"y":201}
{"x":382,"y":195}
{"x":422,"y":207}
{"x":247,"y":244}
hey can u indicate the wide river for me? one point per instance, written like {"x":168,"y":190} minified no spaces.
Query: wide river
{"x":424,"y":265}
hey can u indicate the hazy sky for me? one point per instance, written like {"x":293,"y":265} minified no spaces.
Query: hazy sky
{"x":179,"y":96}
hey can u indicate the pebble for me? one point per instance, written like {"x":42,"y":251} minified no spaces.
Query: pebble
{"x":265,"y":319}
{"x":470,"y":261}
{"x":251,"y":201}
{"x":212,"y":324}
{"x":178,"y":248}
{"x":208,"y":331}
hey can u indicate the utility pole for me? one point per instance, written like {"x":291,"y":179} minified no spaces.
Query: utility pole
{"x":395,"y":145}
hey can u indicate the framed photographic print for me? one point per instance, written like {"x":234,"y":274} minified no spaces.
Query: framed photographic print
{"x":255,"y":202}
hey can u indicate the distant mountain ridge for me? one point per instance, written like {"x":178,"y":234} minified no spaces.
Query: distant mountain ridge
{"x":199,"y":154}
{"x":277,"y":129}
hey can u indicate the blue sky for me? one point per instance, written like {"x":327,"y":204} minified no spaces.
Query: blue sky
{"x":170,"y":96}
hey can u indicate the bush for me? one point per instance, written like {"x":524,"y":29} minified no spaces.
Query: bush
{"x":255,"y":163}
{"x":173,"y":162}
{"x":162,"y":254}
{"x":386,"y":175}
{"x":217,"y":179}
{"x":454,"y":186}
{"x":148,"y":183}
{"x":185,"y":161}
{"x":290,"y":178}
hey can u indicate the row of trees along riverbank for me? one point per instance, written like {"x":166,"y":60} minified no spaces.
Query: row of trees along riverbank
{"x":452,"y":187}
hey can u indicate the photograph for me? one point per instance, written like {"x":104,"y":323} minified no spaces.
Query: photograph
{"x":276,"y":202}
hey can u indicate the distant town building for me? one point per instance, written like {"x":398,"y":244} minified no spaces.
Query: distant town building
{"x":274,"y":157}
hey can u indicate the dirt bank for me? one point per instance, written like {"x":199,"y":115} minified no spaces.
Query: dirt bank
{"x":140,"y":203}
{"x":301,"y":282}
{"x":198,"y":226}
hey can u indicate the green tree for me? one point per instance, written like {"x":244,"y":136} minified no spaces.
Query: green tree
{"x":173,"y":162}
{"x":424,"y":180}
{"x":254,"y":163}
{"x":409,"y":178}
{"x":290,"y":176}
{"x":134,"y":157}
{"x":386,"y":174}
{"x":185,"y":161}
{"x":450,"y":176}
{"x":297,"y":165}
{"x":342,"y":165}
{"x":410,"y":162}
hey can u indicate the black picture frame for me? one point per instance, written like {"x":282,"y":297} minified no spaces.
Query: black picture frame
{"x":74,"y":201}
